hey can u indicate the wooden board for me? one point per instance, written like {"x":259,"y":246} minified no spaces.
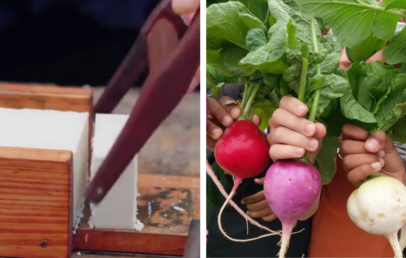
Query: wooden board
{"x":40,"y":96}
{"x":35,"y":200}
{"x":166,"y":206}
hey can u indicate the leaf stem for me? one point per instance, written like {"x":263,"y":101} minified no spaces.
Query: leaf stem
{"x":250,"y":100}
{"x":315,"y":106}
{"x":216,"y":91}
{"x":302,"y":84}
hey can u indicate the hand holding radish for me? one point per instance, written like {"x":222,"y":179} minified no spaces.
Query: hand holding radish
{"x":222,"y":114}
{"x":257,"y":205}
{"x":291,"y":134}
{"x":365,"y":154}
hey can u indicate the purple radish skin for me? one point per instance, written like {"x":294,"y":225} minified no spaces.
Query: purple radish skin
{"x":291,"y":188}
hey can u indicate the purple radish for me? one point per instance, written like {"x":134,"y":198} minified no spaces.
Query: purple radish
{"x":291,"y":187}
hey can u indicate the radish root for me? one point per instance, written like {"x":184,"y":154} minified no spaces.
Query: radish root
{"x":402,"y":239}
{"x":287,"y":231}
{"x":210,"y":172}
{"x":393,"y":240}
{"x":237,"y":182}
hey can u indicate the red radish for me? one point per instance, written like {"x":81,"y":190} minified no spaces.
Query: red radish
{"x":243,"y":152}
{"x":290,"y":188}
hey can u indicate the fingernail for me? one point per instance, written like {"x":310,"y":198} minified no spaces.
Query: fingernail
{"x":256,"y":180}
{"x":242,"y":202}
{"x":313,"y":143}
{"x":235,"y":112}
{"x":381,"y":153}
{"x":372,"y":144}
{"x":310,"y":128}
{"x":299,"y":151}
{"x":301,"y":108}
{"x":376,"y":165}
{"x":227,"y":120}
{"x":216,"y":133}
{"x":382,"y":162}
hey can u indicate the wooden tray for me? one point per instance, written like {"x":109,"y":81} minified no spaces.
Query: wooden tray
{"x":166,"y":206}
{"x":165,"y":231}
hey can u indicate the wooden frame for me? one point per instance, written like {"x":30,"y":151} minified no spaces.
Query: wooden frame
{"x":35,"y":203}
{"x":152,"y":239}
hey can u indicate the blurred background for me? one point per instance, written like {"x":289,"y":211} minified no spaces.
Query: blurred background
{"x":68,"y":42}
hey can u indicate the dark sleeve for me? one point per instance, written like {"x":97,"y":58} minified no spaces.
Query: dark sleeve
{"x":402,"y":151}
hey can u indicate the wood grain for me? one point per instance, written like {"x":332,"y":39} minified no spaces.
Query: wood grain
{"x":166,"y":207}
{"x":35,"y":200}
{"x":42,"y":96}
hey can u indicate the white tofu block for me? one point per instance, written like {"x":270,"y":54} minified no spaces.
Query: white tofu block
{"x":118,"y":209}
{"x":55,"y":130}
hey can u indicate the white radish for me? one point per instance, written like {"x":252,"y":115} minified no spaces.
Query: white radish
{"x":378,"y":207}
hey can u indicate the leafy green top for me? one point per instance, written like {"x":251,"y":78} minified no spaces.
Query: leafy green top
{"x":275,"y":49}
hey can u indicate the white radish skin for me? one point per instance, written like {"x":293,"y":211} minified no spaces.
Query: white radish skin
{"x":378,"y":207}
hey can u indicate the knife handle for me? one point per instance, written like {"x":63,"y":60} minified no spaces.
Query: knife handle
{"x":160,"y":95}
{"x":136,"y":61}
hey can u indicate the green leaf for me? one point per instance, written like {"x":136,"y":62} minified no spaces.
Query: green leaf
{"x":395,"y":52}
{"x":217,"y":76}
{"x":353,"y":110}
{"x":388,"y":114}
{"x":367,"y":48}
{"x":352,"y":21}
{"x":266,"y":58}
{"x":336,"y":86}
{"x":232,"y":56}
{"x":252,"y":22}
{"x":264,"y":110}
{"x":292,"y":73}
{"x":224,"y":26}
{"x":288,"y":10}
{"x":258,"y":8}
{"x":317,"y":82}
{"x":397,"y":132}
{"x":332,"y":60}
{"x":395,"y":4}
{"x":325,"y":161}
{"x":256,"y":38}
{"x":214,"y":59}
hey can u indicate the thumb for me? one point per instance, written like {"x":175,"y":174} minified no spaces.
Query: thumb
{"x":379,"y":141}
{"x":259,"y":181}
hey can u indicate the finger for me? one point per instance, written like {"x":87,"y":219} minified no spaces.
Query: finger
{"x":231,"y":109}
{"x":270,"y":217}
{"x":256,"y":119}
{"x":293,"y":106}
{"x":282,"y":135}
{"x":280,"y":151}
{"x":356,"y":175}
{"x":353,"y":132}
{"x":254,"y":198}
{"x":352,"y":147}
{"x":213,"y":130}
{"x":260,"y":213}
{"x":185,"y":6}
{"x":258,"y":205}
{"x":380,"y":141}
{"x":259,"y":181}
{"x":282,"y":117}
{"x":210,"y":143}
{"x":355,"y":160}
{"x":321,"y":131}
{"x":219,"y":113}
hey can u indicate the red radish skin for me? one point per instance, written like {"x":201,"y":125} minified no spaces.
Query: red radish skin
{"x":242,"y":150}
{"x":291,"y":187}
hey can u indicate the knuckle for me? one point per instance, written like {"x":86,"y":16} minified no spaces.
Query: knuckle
{"x":347,"y":161}
{"x":345,"y":147}
{"x":277,"y":115}
{"x":278,"y":133}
